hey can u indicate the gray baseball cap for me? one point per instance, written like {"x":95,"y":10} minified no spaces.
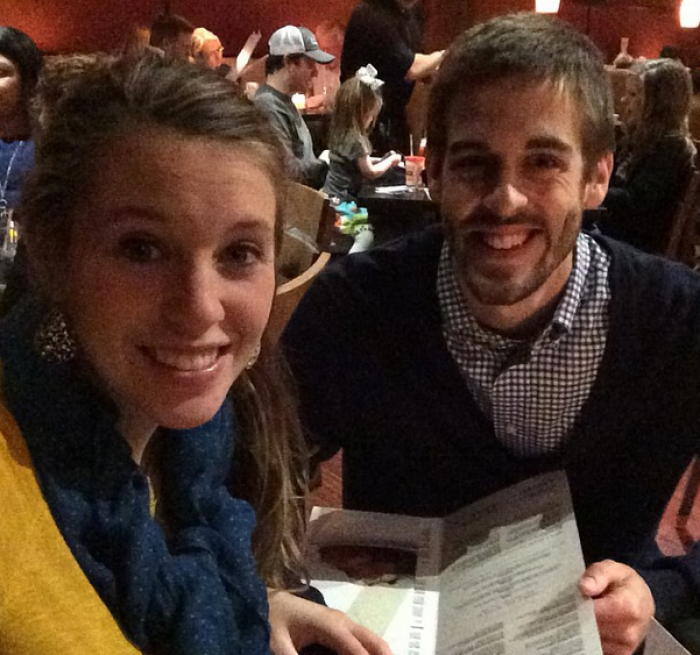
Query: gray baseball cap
{"x":291,"y":40}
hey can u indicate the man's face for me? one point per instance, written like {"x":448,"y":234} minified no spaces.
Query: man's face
{"x":302,"y":71}
{"x":512,"y":190}
{"x":180,"y":47}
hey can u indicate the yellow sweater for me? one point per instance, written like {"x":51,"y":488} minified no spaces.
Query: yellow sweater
{"x":47,"y":605}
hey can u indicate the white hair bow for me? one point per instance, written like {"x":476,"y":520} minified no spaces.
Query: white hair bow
{"x":368,"y":76}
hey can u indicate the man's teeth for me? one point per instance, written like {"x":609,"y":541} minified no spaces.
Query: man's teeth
{"x":187,"y":362}
{"x":504,"y":242}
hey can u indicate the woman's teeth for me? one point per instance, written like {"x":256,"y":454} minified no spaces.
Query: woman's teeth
{"x":199,"y":361}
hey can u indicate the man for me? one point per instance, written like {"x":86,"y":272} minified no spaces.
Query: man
{"x":387,"y":34}
{"x":290,"y":67}
{"x":173,"y":35}
{"x":461,"y":360}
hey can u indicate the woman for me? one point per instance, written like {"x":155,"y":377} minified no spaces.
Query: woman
{"x":655,"y":157}
{"x":208,"y":52}
{"x":20,"y":65}
{"x":150,"y":224}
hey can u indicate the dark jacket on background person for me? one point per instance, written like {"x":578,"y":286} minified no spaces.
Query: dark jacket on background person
{"x":383,"y":34}
{"x":642,"y":201}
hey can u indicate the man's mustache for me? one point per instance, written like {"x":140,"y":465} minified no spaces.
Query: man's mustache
{"x":485,"y":220}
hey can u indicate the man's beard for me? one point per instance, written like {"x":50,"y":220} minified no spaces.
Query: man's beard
{"x":490,"y":286}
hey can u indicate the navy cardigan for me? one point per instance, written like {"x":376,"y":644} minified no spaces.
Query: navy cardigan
{"x":375,"y":378}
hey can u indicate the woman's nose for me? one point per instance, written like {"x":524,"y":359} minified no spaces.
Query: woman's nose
{"x":196,"y":301}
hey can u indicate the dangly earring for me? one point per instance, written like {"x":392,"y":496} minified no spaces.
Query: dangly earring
{"x":53,"y":339}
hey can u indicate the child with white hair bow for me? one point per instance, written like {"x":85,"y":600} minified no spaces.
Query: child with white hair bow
{"x":357,"y":106}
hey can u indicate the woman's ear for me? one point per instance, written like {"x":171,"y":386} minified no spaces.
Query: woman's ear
{"x":599,"y":177}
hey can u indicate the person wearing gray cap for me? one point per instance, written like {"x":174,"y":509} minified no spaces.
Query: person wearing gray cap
{"x":290,"y":67}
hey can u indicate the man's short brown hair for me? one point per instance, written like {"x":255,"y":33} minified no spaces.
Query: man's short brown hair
{"x":529,"y":47}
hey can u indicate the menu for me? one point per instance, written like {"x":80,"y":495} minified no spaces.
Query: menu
{"x":498,"y":577}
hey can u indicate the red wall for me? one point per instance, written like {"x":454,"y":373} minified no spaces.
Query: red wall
{"x":83,"y":25}
{"x":649,"y":28}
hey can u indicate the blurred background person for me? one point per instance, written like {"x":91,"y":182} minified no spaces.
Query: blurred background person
{"x":208,"y":51}
{"x":655,"y":156}
{"x":21,"y":62}
{"x":357,"y":107}
{"x":137,"y":42}
{"x":57,"y":75}
{"x":387,"y":34}
{"x":290,"y":67}
{"x":172,"y":34}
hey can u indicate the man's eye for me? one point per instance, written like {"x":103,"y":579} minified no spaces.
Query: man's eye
{"x":139,"y":250}
{"x":474,"y":166}
{"x":544,"y":162}
{"x":469,"y":163}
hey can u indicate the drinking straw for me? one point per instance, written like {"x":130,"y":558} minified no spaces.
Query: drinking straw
{"x":410,"y":142}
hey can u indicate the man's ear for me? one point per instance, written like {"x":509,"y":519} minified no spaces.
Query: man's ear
{"x":597,"y":185}
{"x":433,"y":167}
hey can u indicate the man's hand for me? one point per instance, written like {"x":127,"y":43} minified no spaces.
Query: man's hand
{"x":623,"y":605}
{"x":295,"y":623}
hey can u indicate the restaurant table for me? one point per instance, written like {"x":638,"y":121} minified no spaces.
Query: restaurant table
{"x":397,"y":212}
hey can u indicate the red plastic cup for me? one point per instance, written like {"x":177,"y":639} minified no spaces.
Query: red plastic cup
{"x":415,"y":164}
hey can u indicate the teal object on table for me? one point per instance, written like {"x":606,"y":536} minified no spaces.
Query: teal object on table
{"x":352,"y":217}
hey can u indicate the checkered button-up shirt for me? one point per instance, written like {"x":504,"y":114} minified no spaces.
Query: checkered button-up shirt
{"x":533,"y":390}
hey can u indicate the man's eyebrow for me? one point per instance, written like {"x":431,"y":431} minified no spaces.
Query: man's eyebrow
{"x":549,"y":143}
{"x":467,"y":144}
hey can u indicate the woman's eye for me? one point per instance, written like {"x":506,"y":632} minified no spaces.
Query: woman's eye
{"x":241,"y":256}
{"x":139,"y":250}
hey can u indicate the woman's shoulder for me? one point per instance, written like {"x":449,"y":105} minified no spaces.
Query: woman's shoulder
{"x":37,"y":564}
{"x":673,"y":148}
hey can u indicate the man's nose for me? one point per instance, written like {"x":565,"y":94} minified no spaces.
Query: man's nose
{"x":505,"y":199}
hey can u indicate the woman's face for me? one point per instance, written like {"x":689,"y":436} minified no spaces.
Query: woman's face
{"x":170,"y":273}
{"x":213,"y":53}
{"x":633,"y":100}
{"x":11,"y":113}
